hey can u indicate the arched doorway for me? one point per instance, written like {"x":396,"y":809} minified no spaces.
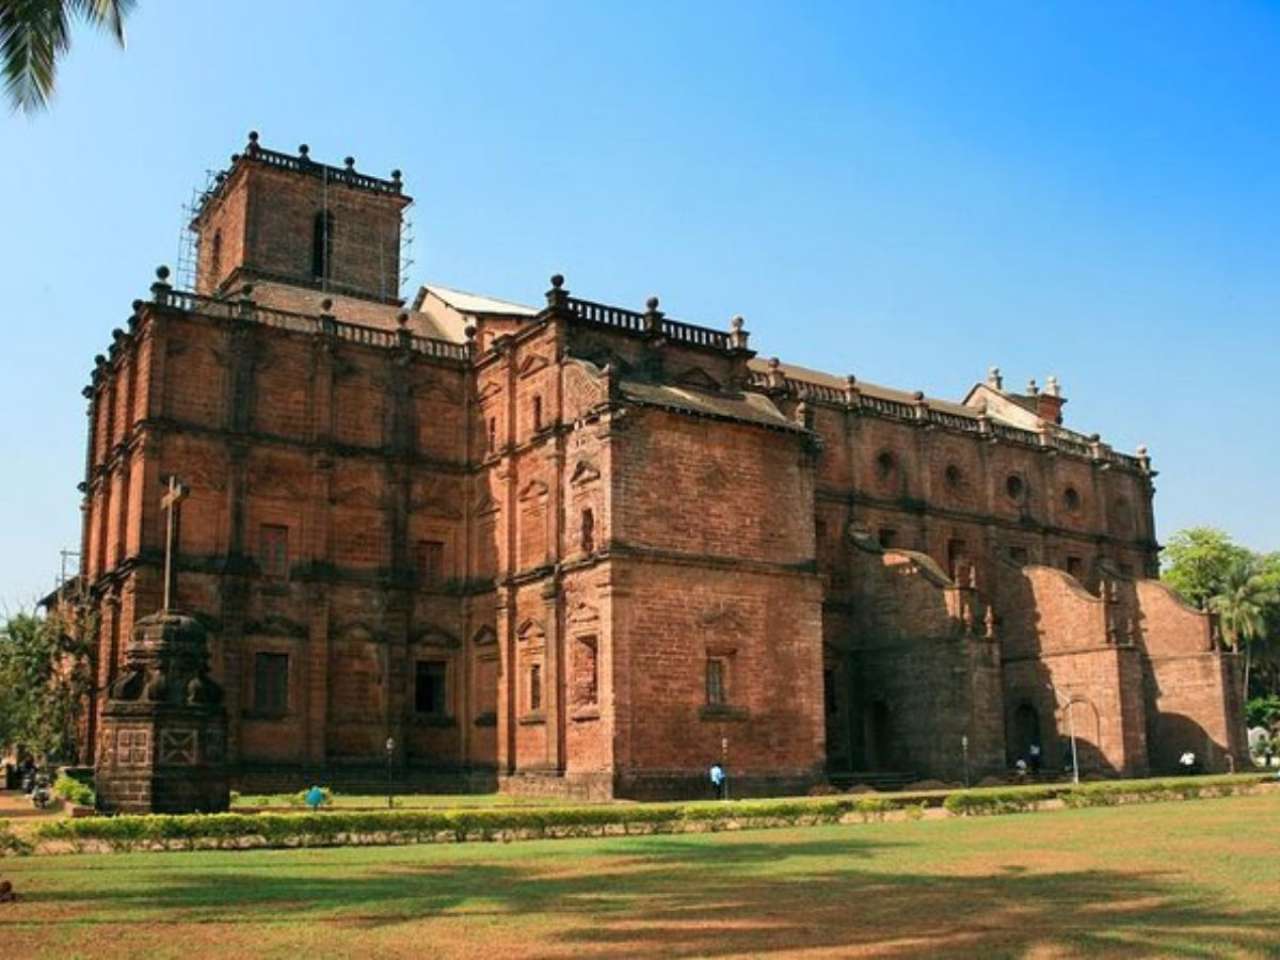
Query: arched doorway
{"x":877,"y":731}
{"x":1024,"y":732}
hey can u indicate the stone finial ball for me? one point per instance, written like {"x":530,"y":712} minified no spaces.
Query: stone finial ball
{"x":117,"y":334}
{"x":99,"y":360}
{"x":774,"y":363}
{"x":253,"y":136}
{"x":851,"y":380}
{"x":303,"y":149}
{"x":1095,"y":437}
{"x":162,"y":273}
{"x":326,"y":304}
{"x":350,"y":162}
{"x":235,"y":158}
{"x":652,"y":303}
{"x":918,"y":396}
{"x":402,"y":318}
{"x":470,"y":331}
{"x":246,"y":290}
{"x":137,"y":305}
{"x":396,"y":175}
{"x":557,"y":280}
{"x":737,"y":322}
{"x":1142,"y":449}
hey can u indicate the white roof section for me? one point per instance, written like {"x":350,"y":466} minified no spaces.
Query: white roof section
{"x":475,"y":303}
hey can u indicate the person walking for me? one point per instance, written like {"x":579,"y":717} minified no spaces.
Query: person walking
{"x":717,"y":780}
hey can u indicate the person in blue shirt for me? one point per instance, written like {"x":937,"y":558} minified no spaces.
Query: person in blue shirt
{"x":717,"y":780}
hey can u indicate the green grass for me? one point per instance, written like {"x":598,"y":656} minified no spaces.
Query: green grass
{"x":1196,"y":879}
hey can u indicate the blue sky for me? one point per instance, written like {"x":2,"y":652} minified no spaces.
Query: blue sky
{"x":908,"y":192}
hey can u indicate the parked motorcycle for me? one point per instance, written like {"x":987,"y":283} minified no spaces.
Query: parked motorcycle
{"x":41,"y":792}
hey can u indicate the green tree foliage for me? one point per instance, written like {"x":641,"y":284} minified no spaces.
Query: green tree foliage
{"x":45,"y":679}
{"x":1241,"y":606}
{"x":1212,"y":572}
{"x":1198,"y":561}
{"x":35,"y":34}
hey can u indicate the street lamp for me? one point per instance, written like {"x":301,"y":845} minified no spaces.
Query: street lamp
{"x":391,"y":750}
{"x":964,"y":746}
{"x":1071,"y":729}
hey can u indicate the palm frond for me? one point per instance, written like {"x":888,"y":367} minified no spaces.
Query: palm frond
{"x":35,"y":34}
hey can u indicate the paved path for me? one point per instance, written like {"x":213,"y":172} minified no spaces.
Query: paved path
{"x":16,"y":805}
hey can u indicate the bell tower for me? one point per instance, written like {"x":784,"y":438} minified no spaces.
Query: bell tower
{"x":283,"y":218}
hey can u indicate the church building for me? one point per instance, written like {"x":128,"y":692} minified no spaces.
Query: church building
{"x":579,"y":549}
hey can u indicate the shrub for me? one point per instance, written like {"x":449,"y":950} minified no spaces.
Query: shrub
{"x":12,"y":844}
{"x":914,"y":811}
{"x":872,"y":808}
{"x":73,"y":791}
{"x":980,"y":803}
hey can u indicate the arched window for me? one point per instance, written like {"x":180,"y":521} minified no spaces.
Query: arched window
{"x":322,"y":246}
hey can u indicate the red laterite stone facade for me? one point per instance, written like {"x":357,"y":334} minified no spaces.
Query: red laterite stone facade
{"x":588,"y":551}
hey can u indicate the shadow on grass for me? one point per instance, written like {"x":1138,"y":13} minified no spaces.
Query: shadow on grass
{"x":663,"y":897}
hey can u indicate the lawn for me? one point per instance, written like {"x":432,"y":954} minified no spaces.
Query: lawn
{"x":1198,"y":878}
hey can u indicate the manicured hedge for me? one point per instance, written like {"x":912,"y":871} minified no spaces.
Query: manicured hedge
{"x":369,"y":827}
{"x":236,"y":830}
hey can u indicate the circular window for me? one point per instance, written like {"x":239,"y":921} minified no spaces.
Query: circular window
{"x":953,"y":477}
{"x":1071,"y":498}
{"x":886,"y":464}
{"x":1015,"y":487}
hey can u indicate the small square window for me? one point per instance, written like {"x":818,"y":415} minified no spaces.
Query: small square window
{"x":1075,"y":566}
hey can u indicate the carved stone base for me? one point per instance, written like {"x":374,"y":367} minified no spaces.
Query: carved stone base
{"x":164,"y":732}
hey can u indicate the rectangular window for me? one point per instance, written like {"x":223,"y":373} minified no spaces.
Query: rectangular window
{"x":271,"y":684}
{"x":429,"y":688}
{"x":957,"y":560}
{"x":588,"y":531}
{"x":1075,"y":566}
{"x":537,"y":414}
{"x":493,"y":434}
{"x":535,"y":688}
{"x":888,"y":537}
{"x":428,"y":562}
{"x":717,"y":692}
{"x":586,"y":672}
{"x":273,"y":550}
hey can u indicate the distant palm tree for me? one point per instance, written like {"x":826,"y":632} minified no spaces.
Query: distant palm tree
{"x":35,"y":33}
{"x":1241,"y":606}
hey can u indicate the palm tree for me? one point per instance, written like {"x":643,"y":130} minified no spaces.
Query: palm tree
{"x":1241,"y":606}
{"x":35,"y":33}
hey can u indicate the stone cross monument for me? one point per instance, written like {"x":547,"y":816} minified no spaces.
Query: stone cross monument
{"x":164,"y":730}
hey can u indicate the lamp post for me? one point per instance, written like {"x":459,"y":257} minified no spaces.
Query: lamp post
{"x":724,"y":763}
{"x":964,"y":746}
{"x":1071,"y":729}
{"x":391,"y":750}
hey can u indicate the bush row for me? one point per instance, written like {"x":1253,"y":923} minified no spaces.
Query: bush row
{"x":367,"y":827}
{"x":986,"y":802}
{"x":236,"y":830}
